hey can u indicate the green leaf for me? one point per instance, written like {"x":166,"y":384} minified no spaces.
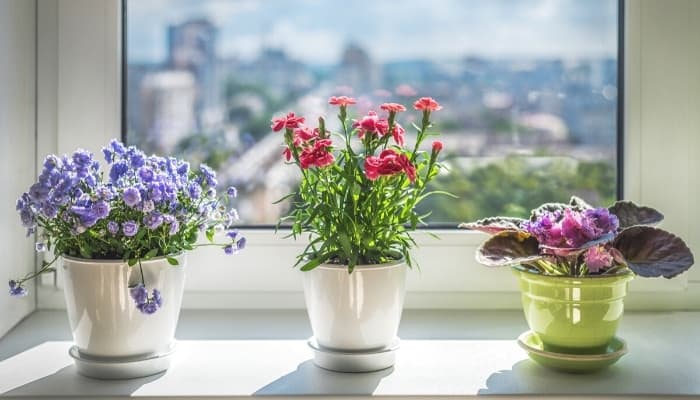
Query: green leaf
{"x":151,"y":253}
{"x":285,"y":198}
{"x":210,"y":234}
{"x":172,"y":261}
{"x":314,"y":263}
{"x":131,"y":262}
{"x":141,"y":233}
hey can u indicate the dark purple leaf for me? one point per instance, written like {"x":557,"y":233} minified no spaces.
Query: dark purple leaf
{"x":653,"y":252}
{"x":631,"y":214}
{"x":494,"y":225}
{"x":569,"y":251}
{"x":575,"y":204}
{"x":508,"y":248}
{"x":579,"y":204}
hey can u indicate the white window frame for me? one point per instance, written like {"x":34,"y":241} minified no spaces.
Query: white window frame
{"x":79,"y":91}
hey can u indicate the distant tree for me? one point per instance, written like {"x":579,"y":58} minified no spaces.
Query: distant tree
{"x":515,"y":185}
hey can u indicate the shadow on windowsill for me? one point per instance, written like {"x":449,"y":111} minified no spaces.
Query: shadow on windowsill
{"x":308,"y":379}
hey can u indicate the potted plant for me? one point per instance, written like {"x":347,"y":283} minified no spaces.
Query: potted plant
{"x":574,"y":263}
{"x":121,"y":236}
{"x":356,"y":202}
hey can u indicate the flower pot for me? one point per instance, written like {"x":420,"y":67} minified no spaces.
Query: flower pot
{"x":576,"y":315}
{"x":103,"y":317}
{"x":358,"y":311}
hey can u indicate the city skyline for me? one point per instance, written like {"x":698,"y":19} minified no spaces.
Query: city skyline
{"x":495,"y":29}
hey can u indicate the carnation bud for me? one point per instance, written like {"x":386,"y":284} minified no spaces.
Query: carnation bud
{"x":437,"y":146}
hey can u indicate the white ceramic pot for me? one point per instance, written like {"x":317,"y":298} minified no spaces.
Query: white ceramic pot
{"x":356,"y":312}
{"x":103,"y":316}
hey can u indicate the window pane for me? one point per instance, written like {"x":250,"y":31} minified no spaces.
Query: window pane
{"x":529,"y":89}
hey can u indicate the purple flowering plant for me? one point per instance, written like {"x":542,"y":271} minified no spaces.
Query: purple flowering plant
{"x":576,"y":239}
{"x":138,"y":208}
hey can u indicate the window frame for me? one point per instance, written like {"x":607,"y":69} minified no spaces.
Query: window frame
{"x":82,"y":93}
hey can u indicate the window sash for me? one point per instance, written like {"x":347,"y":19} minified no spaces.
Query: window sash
{"x":83,"y":42}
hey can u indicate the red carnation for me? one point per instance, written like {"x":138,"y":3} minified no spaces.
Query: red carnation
{"x":437,"y":146}
{"x":287,"y":153}
{"x":318,"y":155}
{"x":427,"y":104}
{"x":371,"y":123}
{"x":392,"y":107}
{"x":398,"y":134}
{"x":342,"y":101}
{"x":304,"y":134}
{"x":389,"y":163}
{"x":291,"y":121}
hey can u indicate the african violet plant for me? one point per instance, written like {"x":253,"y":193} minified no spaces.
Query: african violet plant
{"x":359,"y":188}
{"x":140,"y":208}
{"x":577,"y":239}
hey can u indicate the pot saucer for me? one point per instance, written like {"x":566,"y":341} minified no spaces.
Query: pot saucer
{"x":574,"y":363}
{"x":121,"y":367}
{"x":354,"y":361}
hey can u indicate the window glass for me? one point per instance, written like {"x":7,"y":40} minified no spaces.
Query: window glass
{"x":529,"y":90}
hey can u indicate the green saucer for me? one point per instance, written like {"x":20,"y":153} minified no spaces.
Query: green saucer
{"x":575,"y":363}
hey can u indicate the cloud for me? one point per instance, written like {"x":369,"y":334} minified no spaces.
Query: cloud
{"x":316,"y":30}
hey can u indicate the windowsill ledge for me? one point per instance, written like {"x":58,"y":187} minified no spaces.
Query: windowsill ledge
{"x":443,"y":353}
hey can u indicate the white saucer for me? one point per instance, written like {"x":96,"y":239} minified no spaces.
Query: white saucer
{"x":121,"y":367}
{"x":354,"y":361}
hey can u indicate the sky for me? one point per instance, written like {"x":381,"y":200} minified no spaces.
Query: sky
{"x":316,"y":31}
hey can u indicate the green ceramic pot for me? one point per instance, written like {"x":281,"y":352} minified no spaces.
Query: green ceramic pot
{"x":573,"y":315}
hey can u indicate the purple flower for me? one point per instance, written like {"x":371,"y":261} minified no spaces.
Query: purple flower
{"x":603,"y":220}
{"x":546,"y":229}
{"x":82,"y":158}
{"x":139,"y":293}
{"x":232,"y":192}
{"x":232,"y":234}
{"x":27,"y":218}
{"x":148,"y":206}
{"x":118,"y":170}
{"x":88,"y":219}
{"x":101,"y":209}
{"x":598,"y":258}
{"x":148,"y":308}
{"x":241,"y":243}
{"x":157,"y":298}
{"x":229,"y":249}
{"x":113,"y":227}
{"x":109,"y":155}
{"x":146,"y":174}
{"x":136,"y":157}
{"x":117,"y":146}
{"x":144,"y":303}
{"x":183,"y":169}
{"x":577,"y":230}
{"x":153,"y":220}
{"x":194,"y":191}
{"x":40,"y":247}
{"x":38,"y":192}
{"x":51,"y":162}
{"x":131,"y":196}
{"x":49,"y":210}
{"x":174,"y":228}
{"x":130,"y":228}
{"x":156,"y":190}
{"x":105,"y":193}
{"x":208,"y":175}
{"x":16,"y":289}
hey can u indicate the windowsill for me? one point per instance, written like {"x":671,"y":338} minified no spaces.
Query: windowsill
{"x":443,"y":353}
